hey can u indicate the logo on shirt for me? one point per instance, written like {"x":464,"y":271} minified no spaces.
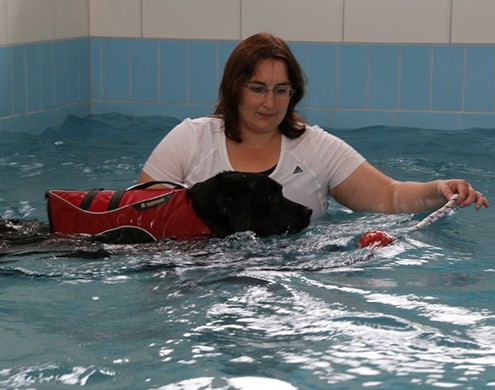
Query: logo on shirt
{"x":298,"y":169}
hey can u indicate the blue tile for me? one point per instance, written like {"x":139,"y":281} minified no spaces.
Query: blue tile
{"x":174,"y":71}
{"x":193,"y":110}
{"x":485,"y":120}
{"x":144,"y":69}
{"x":224,"y":51}
{"x":41,"y":120}
{"x":353,"y":119}
{"x":106,"y":106}
{"x":5,"y":81}
{"x":77,"y":109}
{"x":19,"y":123}
{"x":116,"y":68}
{"x":384,"y":77}
{"x":353,"y":76}
{"x":300,"y":51}
{"x":479,"y":94}
{"x":73,"y":67}
{"x":448,"y":72}
{"x":96,"y":68}
{"x":47,"y":63}
{"x":60,"y":63}
{"x":316,"y":116}
{"x":203,"y":82}
{"x":428,"y":120}
{"x":19,"y":80}
{"x":129,"y":107}
{"x":322,"y":76}
{"x":179,"y":111}
{"x":415,"y":77}
{"x":33,"y":77}
{"x":84,"y":58}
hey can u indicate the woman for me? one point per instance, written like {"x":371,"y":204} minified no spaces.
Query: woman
{"x":255,"y":129}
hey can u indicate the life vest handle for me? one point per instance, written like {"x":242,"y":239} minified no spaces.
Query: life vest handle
{"x":142,"y":186}
{"x":118,"y":195}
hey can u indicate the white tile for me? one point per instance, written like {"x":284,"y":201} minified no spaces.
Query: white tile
{"x":472,"y":21}
{"x":3,"y":22}
{"x":397,"y":21}
{"x":115,"y":18}
{"x":192,"y":19}
{"x":71,"y":18}
{"x":30,"y":21}
{"x":294,"y":20}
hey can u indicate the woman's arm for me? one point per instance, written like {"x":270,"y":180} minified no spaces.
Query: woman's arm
{"x":368,"y":189}
{"x":144,"y":178}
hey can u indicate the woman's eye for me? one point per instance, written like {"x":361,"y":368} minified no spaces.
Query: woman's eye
{"x":258,"y":90}
{"x":281,"y":91}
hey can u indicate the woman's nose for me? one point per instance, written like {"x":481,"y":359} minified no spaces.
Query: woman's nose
{"x":269,"y":98}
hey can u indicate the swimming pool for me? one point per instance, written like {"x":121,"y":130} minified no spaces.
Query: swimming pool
{"x":288,"y":312}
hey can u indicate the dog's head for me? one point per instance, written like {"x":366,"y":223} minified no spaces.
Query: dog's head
{"x":232,"y":202}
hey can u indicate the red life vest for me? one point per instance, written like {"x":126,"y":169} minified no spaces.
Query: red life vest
{"x":157,"y":213}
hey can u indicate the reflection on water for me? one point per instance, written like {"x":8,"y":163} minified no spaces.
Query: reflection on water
{"x":289,"y":312}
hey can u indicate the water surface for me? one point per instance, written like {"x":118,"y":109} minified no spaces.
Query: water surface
{"x":307,"y":311}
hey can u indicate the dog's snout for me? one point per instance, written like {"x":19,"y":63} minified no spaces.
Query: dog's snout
{"x":303,"y":219}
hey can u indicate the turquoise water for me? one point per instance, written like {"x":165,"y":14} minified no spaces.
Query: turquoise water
{"x":288,"y":312}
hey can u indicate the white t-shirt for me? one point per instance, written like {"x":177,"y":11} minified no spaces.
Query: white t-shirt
{"x":309,"y":166}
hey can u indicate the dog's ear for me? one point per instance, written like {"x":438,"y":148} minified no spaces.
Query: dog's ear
{"x":234,"y":200}
{"x":236,"y":210}
{"x":223,"y":203}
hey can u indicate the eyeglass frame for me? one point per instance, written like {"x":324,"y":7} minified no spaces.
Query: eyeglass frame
{"x":264,"y":90}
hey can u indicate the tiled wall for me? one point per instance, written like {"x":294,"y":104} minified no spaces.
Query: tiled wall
{"x":394,"y":62}
{"x":42,"y":83}
{"x":350,"y":85}
{"x":44,"y":62}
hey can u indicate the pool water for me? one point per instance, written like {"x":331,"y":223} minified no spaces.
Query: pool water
{"x":307,"y":311}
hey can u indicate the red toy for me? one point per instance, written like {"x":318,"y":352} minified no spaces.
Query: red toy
{"x":375,"y":238}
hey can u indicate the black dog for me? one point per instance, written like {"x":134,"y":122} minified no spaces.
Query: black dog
{"x":229,"y":202}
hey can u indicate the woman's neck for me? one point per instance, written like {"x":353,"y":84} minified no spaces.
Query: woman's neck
{"x":256,"y":152}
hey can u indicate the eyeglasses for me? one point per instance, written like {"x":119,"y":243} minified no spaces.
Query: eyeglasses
{"x":283,"y":91}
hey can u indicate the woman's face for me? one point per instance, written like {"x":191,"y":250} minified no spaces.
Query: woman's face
{"x":261,"y":109}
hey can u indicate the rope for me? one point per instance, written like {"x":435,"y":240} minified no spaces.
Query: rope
{"x":436,"y":215}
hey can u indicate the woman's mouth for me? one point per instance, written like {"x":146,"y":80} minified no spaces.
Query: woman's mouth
{"x":265,"y":116}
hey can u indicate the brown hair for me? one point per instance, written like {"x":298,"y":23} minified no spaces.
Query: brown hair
{"x":240,"y":67}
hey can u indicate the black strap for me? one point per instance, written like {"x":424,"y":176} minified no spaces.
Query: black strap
{"x":114,"y":202}
{"x":88,"y":198}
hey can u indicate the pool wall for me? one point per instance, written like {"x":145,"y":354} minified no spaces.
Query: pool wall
{"x":418,"y":63}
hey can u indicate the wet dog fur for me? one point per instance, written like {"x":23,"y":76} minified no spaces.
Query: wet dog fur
{"x":232,"y":202}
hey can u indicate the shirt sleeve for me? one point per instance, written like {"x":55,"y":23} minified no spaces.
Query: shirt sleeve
{"x":338,"y":158}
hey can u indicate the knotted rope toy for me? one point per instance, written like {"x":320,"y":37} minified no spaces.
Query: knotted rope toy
{"x":380,"y":238}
